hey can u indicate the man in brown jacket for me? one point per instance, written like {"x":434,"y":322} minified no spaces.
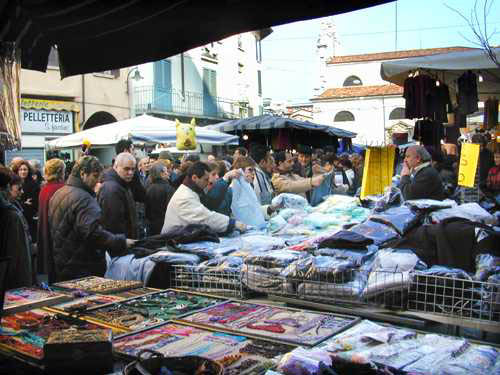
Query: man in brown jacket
{"x":287,"y":182}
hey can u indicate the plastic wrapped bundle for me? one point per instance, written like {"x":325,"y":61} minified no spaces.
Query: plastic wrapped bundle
{"x":287,"y":213}
{"x":486,"y":265}
{"x":400,"y":218}
{"x":266,"y":280}
{"x":346,"y":239}
{"x":288,"y":200}
{"x":429,"y":205}
{"x":274,"y":259}
{"x":322,"y":269}
{"x":208,"y":250}
{"x":320,"y":221}
{"x":164,"y":256}
{"x":259,"y":242}
{"x":477,"y":360}
{"x":276,"y":223}
{"x":392,"y":198}
{"x":334,"y":203}
{"x":354,"y":255}
{"x":469,"y":211}
{"x":302,"y":361}
{"x":378,"y":232}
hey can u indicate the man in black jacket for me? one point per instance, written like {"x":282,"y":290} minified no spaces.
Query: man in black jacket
{"x":138,"y":189}
{"x":80,"y":241}
{"x":119,"y":215}
{"x":419,"y":180}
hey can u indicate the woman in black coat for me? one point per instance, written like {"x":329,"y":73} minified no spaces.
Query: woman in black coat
{"x":29,"y":198}
{"x":158,"y":194}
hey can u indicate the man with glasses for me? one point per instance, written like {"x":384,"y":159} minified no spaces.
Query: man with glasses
{"x":287,"y":182}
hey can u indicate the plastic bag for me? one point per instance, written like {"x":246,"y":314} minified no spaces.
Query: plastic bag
{"x":288,"y":200}
{"x":185,"y":135}
{"x":470,"y":211}
{"x":245,"y":204}
{"x":378,"y":232}
{"x":302,"y":361}
{"x":486,"y":265}
{"x":400,"y":218}
{"x":392,"y":197}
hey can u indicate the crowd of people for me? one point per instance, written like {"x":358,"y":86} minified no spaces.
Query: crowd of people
{"x":60,"y":224}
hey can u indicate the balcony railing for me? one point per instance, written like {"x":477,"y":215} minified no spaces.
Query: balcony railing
{"x":152,"y":99}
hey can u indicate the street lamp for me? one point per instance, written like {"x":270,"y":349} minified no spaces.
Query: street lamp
{"x":136,"y":77}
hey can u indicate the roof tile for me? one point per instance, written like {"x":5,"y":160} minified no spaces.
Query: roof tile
{"x":360,"y":91}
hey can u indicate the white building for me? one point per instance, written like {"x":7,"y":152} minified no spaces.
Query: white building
{"x":213,"y":83}
{"x":357,"y":99}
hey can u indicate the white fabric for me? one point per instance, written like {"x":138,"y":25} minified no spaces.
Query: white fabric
{"x":144,"y":129}
{"x":185,"y":208}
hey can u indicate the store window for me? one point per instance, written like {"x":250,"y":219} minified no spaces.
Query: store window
{"x":352,"y":81}
{"x":397,"y":114}
{"x":344,"y":116}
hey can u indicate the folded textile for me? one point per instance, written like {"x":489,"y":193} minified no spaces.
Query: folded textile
{"x":476,"y":360}
{"x":379,"y":233}
{"x":276,"y":223}
{"x":322,"y":269}
{"x":174,"y":258}
{"x":319,"y":220}
{"x":288,"y":200}
{"x":188,"y":234}
{"x":400,"y":218}
{"x":129,"y":267}
{"x":261,"y":280}
{"x":471,"y":211}
{"x":486,"y":265}
{"x":392,"y":197}
{"x":350,"y":290}
{"x":357,"y":256}
{"x":346,"y":240}
{"x":274,"y":258}
{"x":208,"y":249}
{"x":429,"y":205}
{"x":302,"y":361}
{"x":287,"y":213}
{"x":260,"y":242}
{"x":222,"y":264}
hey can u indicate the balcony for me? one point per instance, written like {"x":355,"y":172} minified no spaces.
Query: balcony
{"x":152,"y":99}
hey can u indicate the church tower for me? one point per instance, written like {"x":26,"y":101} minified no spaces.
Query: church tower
{"x":326,"y":47}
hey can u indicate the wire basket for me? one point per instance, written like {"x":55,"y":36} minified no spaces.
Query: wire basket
{"x":457,"y":298}
{"x":219,"y":282}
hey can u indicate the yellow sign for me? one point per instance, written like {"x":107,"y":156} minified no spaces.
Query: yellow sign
{"x":468,"y":164}
{"x":49,"y":105}
{"x":377,"y":173}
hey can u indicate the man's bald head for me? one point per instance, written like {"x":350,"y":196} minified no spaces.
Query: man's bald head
{"x":125,"y":166}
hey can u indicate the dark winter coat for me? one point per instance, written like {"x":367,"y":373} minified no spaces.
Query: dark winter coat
{"x":426,"y":184}
{"x":119,"y":215}
{"x":31,"y":190}
{"x":158,"y":195}
{"x":80,"y":241}
{"x":219,"y":198}
{"x":15,"y":243}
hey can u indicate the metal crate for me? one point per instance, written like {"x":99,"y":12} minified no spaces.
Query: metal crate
{"x":224,"y":283}
{"x":456,"y":298}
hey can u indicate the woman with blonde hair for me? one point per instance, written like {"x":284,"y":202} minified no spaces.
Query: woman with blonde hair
{"x":54,"y":172}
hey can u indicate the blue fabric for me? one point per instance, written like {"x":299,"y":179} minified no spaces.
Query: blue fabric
{"x":323,"y":190}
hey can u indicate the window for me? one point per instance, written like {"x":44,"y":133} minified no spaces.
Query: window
{"x":353,"y":81}
{"x":259,"y":82}
{"x":397,"y":114}
{"x":258,"y":50}
{"x":344,"y":116}
{"x":53,"y":57}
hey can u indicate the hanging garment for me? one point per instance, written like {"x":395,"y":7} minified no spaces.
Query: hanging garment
{"x":429,"y":133}
{"x":467,"y":93}
{"x":491,"y":113}
{"x":439,"y":103}
{"x":420,"y":94}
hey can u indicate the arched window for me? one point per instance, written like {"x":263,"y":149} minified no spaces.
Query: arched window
{"x":397,"y":114}
{"x":344,"y":116}
{"x":353,"y":81}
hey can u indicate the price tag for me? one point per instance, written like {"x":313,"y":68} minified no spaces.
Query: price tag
{"x":468,"y":164}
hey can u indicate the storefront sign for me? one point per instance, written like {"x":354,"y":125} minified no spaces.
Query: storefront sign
{"x":468,"y":164}
{"x":49,"y":122}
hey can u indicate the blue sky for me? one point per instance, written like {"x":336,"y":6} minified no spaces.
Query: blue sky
{"x":289,"y":52}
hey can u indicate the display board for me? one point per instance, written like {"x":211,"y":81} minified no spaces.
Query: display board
{"x":300,"y":327}
{"x":238,"y":354}
{"x":26,"y":332}
{"x":150,"y":310}
{"x":86,"y":303}
{"x":100,"y":285}
{"x":23,"y":299}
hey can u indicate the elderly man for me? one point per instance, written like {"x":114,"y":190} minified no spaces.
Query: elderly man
{"x":287,"y":182}
{"x":119,"y":215}
{"x":186,"y":208}
{"x":80,"y":241}
{"x":419,"y":180}
{"x":144,"y":166}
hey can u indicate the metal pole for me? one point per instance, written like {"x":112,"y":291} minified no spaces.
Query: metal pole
{"x":396,"y":21}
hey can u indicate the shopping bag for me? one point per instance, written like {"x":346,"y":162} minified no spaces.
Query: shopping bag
{"x":245,"y":205}
{"x":186,"y":135}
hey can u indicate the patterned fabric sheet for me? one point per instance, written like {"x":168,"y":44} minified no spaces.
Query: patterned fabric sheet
{"x":150,"y":310}
{"x":16,"y":299}
{"x":238,"y":354}
{"x":297,"y":327}
{"x":95,"y":284}
{"x":85,"y":303}
{"x":27,"y":332}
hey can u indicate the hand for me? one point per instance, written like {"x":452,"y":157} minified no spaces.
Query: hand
{"x":28,"y":201}
{"x":277,"y":207}
{"x":317,"y":169}
{"x":317,"y":180}
{"x":240,"y":226}
{"x":406,"y":170}
{"x":235,"y":173}
{"x":130,"y":243}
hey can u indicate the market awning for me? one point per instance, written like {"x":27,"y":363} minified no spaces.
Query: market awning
{"x":94,"y":36}
{"x":140,"y":129}
{"x":276,"y":122}
{"x":448,"y":67}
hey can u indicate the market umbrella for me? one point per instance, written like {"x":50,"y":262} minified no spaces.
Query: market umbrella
{"x":277,"y":122}
{"x":94,"y":36}
{"x":140,"y":129}
{"x":448,"y":67}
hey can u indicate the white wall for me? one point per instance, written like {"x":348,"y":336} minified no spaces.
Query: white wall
{"x":368,"y":72}
{"x":370,"y":115}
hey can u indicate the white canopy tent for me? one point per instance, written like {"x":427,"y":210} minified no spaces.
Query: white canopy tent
{"x":142,"y":129}
{"x":448,"y":67}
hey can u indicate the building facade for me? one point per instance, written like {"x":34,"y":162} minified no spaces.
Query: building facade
{"x":217,"y":82}
{"x":353,"y":96}
{"x":51,"y":107}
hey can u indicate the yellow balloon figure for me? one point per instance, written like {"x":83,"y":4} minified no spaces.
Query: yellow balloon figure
{"x":186,"y":135}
